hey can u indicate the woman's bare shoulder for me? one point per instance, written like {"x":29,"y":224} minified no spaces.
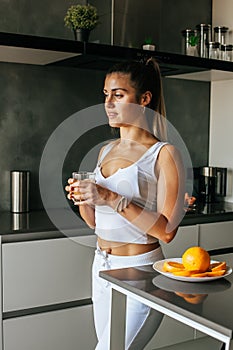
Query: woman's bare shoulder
{"x":169,"y":153}
{"x":107,"y":144}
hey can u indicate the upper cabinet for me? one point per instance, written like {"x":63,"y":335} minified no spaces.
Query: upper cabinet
{"x":27,"y":49}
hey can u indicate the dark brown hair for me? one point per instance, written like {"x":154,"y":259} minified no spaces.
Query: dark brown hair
{"x":144,"y":76}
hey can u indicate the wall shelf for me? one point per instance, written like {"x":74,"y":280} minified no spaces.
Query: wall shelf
{"x":27,"y":49}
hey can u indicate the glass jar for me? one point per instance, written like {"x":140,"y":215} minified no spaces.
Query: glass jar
{"x":220,"y":34}
{"x":213,"y":50}
{"x":190,"y":41}
{"x":205,"y":36}
{"x":226,"y":52}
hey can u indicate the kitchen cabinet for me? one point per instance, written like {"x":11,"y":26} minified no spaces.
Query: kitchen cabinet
{"x":205,"y":343}
{"x":186,"y":236}
{"x":216,"y":235}
{"x":27,"y":49}
{"x":69,"y":329}
{"x":46,"y":293}
{"x":45,"y":272}
{"x":170,"y":332}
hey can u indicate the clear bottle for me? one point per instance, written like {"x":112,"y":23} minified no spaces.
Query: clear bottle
{"x":205,"y":36}
{"x":213,"y":50}
{"x":220,"y":34}
{"x":226,"y":52}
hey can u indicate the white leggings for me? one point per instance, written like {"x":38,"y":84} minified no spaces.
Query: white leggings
{"x":141,"y":321}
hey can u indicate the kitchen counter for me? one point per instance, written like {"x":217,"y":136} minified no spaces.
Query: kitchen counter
{"x":60,"y":223}
{"x":211,"y":314}
{"x":41,"y":225}
{"x":208,"y":212}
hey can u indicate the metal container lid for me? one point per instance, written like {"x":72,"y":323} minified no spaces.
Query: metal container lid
{"x":221,"y":29}
{"x":189,"y":31}
{"x":204,"y":26}
{"x":213,"y":44}
{"x":225,"y":47}
{"x":208,"y":171}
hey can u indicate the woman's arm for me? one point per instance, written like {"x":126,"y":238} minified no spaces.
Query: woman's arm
{"x":88,"y":214}
{"x":163,"y":224}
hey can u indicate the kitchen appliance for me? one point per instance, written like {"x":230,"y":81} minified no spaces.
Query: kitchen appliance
{"x":212,"y":184}
{"x":20,"y":191}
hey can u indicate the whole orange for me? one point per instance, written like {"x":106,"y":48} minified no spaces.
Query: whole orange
{"x":196,"y":259}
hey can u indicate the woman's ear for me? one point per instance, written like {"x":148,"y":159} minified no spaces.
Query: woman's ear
{"x":146,"y":98}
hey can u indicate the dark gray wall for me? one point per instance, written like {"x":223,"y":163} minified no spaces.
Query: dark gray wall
{"x":160,"y":20}
{"x":177,"y":15}
{"x":36,"y":99}
{"x":187,"y":104}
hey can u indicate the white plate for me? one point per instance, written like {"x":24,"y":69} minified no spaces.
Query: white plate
{"x":158,"y":266}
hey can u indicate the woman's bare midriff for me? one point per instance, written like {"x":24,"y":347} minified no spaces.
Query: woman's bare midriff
{"x":125,"y":249}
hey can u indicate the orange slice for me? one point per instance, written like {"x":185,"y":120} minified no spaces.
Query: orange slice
{"x":183,"y":273}
{"x":209,"y":273}
{"x":216,"y":273}
{"x":221,"y":265}
{"x":199,"y":274}
{"x":172,"y":266}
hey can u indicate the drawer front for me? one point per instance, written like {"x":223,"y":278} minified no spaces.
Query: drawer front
{"x":170,"y":332}
{"x":69,"y":329}
{"x":186,"y":237}
{"x":216,"y":235}
{"x":45,"y":272}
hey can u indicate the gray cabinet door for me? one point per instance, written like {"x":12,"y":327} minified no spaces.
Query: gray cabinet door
{"x":69,"y":329}
{"x":186,"y":237}
{"x":216,"y":235}
{"x":37,"y":273}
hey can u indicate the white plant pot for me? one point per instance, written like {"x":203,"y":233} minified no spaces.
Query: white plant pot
{"x":149,"y":47}
{"x":192,"y":51}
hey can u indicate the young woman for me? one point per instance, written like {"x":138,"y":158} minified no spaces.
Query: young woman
{"x":138,"y":197}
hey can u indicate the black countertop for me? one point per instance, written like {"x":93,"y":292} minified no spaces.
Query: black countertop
{"x":207,"y":304}
{"x":63,"y":222}
{"x":204,"y":213}
{"x":54,"y":223}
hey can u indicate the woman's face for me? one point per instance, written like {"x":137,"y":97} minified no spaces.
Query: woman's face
{"x":121,"y":104}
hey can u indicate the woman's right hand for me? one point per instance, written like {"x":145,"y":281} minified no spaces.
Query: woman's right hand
{"x":86,"y":192}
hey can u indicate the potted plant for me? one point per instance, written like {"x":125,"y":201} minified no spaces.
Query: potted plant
{"x":81,"y":19}
{"x":148,"y":45}
{"x":192,"y":48}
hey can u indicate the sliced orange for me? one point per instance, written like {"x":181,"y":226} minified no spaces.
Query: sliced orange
{"x":183,"y":273}
{"x":199,"y":274}
{"x":221,"y":265}
{"x":216,"y":273}
{"x":209,"y":273}
{"x":172,"y":266}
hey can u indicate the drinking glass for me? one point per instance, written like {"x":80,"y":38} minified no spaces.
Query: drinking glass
{"x":82,"y":175}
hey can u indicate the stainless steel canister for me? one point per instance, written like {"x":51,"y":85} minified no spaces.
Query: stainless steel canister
{"x":205,"y":36}
{"x":220,"y":33}
{"x":20,"y":191}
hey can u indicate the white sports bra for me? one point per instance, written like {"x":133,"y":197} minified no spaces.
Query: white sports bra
{"x":138,"y":183}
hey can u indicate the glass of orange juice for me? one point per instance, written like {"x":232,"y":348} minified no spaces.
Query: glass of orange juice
{"x":82,"y":175}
